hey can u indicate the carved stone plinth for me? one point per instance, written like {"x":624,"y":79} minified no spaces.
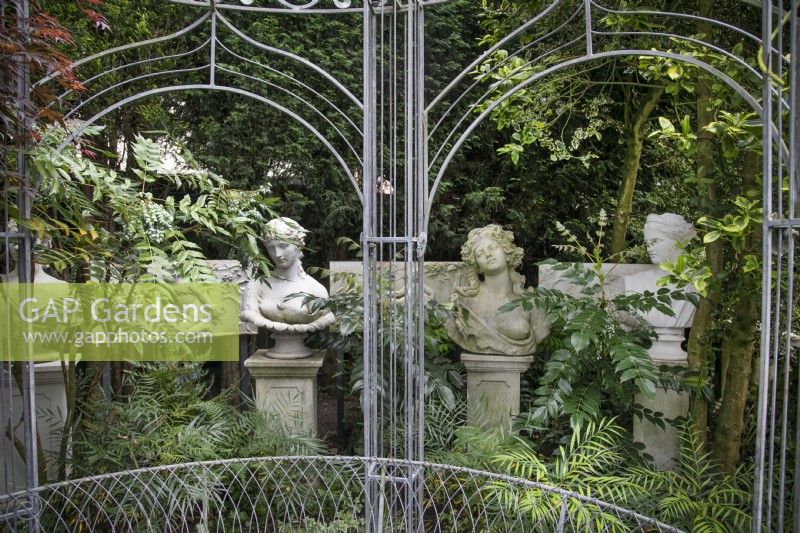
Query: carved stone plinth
{"x":287,"y":389}
{"x":493,"y":387}
{"x":664,"y":444}
{"x":666,"y":348}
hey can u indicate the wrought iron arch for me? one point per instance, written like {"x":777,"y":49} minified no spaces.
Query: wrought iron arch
{"x":741,"y":91}
{"x":75,"y":133}
{"x":309,"y":103}
{"x":447,"y":149}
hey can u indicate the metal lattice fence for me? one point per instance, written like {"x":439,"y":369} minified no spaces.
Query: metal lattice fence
{"x":323,"y":494}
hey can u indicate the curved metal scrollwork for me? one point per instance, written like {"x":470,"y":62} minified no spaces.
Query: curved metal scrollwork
{"x":272,"y":6}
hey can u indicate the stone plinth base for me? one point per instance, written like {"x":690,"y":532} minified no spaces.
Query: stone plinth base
{"x":287,"y":389}
{"x":493,"y":388}
{"x":663,"y":444}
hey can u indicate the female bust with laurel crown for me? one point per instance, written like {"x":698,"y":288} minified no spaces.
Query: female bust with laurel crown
{"x":274,"y":303}
{"x":477,"y":325}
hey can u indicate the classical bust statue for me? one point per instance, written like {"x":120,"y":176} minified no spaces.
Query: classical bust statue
{"x":662,"y":234}
{"x":38,"y":275}
{"x":491,"y":281}
{"x":271,"y":303}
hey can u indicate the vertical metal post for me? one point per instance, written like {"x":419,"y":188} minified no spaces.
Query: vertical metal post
{"x":409,"y":325}
{"x":25,"y":254}
{"x":6,"y":404}
{"x":373,"y":521}
{"x":766,"y":281}
{"x":587,"y":15}
{"x":212,"y":75}
{"x":340,"y":388}
{"x":416,"y":476}
{"x":794,"y":207}
{"x":368,"y":228}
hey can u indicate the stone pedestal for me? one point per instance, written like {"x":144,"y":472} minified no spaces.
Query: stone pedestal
{"x":493,"y":388}
{"x":666,"y":348}
{"x":287,"y":389}
{"x":51,"y":410}
{"x":664,"y":444}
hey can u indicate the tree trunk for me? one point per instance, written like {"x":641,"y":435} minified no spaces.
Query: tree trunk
{"x":230,"y":378}
{"x":117,"y":374}
{"x":699,"y":348}
{"x":699,"y":359}
{"x":738,"y":347}
{"x":634,"y":131}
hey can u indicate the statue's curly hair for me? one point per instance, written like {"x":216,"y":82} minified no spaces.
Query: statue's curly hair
{"x":502,"y":237}
{"x":513,"y":259}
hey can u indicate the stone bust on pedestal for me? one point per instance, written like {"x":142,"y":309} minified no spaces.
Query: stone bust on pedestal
{"x":663,"y":235}
{"x":497,"y":346}
{"x":285,"y":375}
{"x":277,"y":303}
{"x":477,"y":325}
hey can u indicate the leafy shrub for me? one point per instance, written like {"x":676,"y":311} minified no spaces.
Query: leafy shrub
{"x":165,"y":417}
{"x":696,"y":496}
{"x":154,"y":218}
{"x":597,"y":347}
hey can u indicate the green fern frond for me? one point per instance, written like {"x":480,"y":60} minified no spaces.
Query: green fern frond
{"x":523,"y":463}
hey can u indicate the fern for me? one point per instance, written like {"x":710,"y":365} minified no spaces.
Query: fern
{"x":165,"y":418}
{"x":587,"y":465}
{"x":697,"y":496}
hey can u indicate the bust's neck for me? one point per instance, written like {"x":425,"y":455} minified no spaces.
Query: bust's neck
{"x":292,"y":273}
{"x":498,"y":283}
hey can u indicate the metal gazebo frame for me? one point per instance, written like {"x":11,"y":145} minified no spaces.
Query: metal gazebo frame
{"x":399,"y":137}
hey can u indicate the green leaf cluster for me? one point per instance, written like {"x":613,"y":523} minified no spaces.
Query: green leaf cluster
{"x":165,"y":417}
{"x":695,"y":496}
{"x":152,"y":222}
{"x":596,"y":352}
{"x":735,"y":229}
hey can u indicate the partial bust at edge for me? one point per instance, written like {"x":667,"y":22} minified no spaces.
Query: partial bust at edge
{"x":664,"y":235}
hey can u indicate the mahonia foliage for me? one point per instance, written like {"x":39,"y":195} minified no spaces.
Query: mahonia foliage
{"x":143,"y":225}
{"x":694,"y":496}
{"x":596,"y":360}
